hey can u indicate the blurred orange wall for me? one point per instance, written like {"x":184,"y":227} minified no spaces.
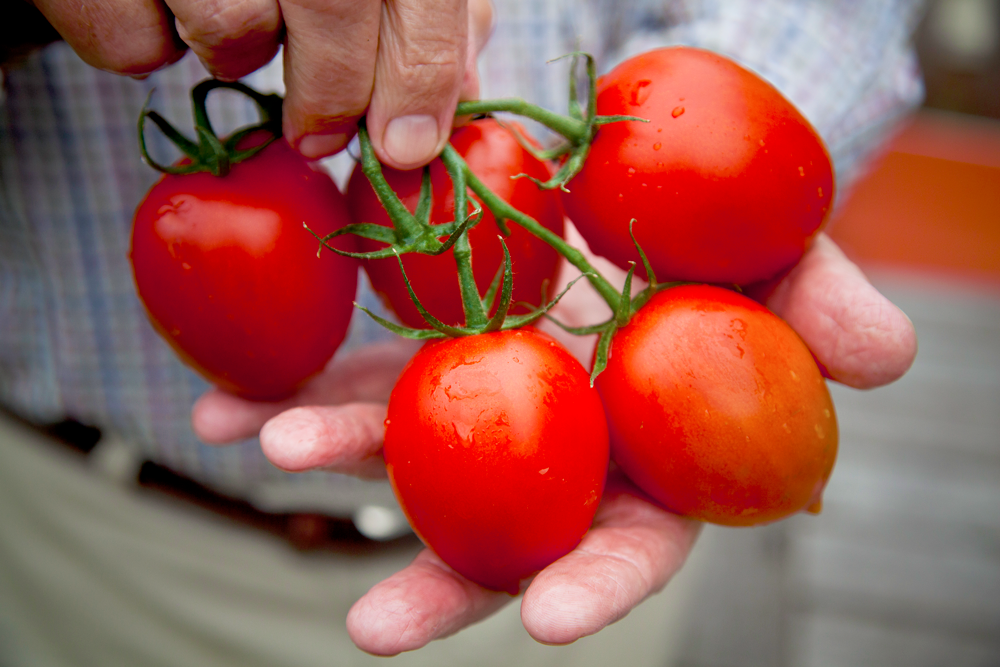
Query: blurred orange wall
{"x":932,"y":202}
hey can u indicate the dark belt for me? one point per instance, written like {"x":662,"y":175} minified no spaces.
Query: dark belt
{"x":303,"y":530}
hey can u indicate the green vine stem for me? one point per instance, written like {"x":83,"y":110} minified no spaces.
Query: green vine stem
{"x":209,"y":153}
{"x":576,"y":131}
{"x":502,"y":209}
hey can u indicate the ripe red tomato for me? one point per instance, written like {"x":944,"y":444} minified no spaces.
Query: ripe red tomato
{"x":493,"y":155}
{"x":728,"y":183}
{"x":497,"y":449}
{"x":717,"y":409}
{"x":230,"y":277}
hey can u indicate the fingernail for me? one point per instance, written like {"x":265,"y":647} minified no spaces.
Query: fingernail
{"x":411,"y":140}
{"x":320,"y":145}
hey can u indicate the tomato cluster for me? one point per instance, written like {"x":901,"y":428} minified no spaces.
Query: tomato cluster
{"x":496,"y":443}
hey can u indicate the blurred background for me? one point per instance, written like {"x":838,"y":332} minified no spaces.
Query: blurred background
{"x":903,"y":565}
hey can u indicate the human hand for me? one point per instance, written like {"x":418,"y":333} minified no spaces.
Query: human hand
{"x":634,"y":547}
{"x":631,"y":551}
{"x":406,"y":62}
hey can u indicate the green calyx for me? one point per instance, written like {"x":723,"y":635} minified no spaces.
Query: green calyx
{"x":627,"y":307}
{"x":209,"y":153}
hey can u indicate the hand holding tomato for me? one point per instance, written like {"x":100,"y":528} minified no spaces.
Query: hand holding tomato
{"x":634,"y":546}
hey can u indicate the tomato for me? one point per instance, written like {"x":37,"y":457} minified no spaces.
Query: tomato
{"x":497,"y":449}
{"x":230,"y":278}
{"x":728,"y":182}
{"x":493,"y":155}
{"x":717,"y":409}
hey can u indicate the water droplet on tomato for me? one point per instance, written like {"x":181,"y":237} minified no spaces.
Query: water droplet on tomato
{"x":657,"y":146}
{"x":819,"y":192}
{"x":802,"y":172}
{"x":640,"y":92}
{"x":543,"y":471}
{"x":795,"y":376}
{"x":185,"y":266}
{"x":621,"y":197}
{"x":631,"y":171}
{"x":761,"y":142}
{"x":678,"y":111}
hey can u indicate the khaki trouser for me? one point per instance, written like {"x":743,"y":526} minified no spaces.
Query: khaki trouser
{"x":96,"y":573}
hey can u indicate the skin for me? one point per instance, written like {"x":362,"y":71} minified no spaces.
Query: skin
{"x":635,"y":546}
{"x":406,"y":63}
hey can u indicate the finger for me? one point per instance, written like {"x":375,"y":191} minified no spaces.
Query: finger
{"x":330,"y":51}
{"x":425,"y":601}
{"x":219,"y":418}
{"x":422,"y":58}
{"x":482,"y":21}
{"x":133,"y":37}
{"x":231,"y":37}
{"x":364,"y":375}
{"x":858,"y":336}
{"x":343,"y":438}
{"x":631,"y":552}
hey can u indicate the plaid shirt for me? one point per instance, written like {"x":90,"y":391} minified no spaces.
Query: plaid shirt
{"x":74,"y":339}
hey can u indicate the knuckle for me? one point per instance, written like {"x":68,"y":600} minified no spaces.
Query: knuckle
{"x":146,"y":49}
{"x":220,"y":22}
{"x":425,"y":59}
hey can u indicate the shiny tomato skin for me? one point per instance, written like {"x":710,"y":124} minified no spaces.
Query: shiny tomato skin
{"x":717,"y":409}
{"x":728,"y":182}
{"x":497,"y":449}
{"x":494,"y":155}
{"x":230,"y":278}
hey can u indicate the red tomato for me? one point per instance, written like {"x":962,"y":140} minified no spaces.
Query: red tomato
{"x":494,"y":156}
{"x":230,"y":277}
{"x":728,"y":183}
{"x":497,"y":449}
{"x":717,"y":409}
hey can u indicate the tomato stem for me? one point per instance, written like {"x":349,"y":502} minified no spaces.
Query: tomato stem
{"x":575,"y":130}
{"x":209,"y":153}
{"x":500,"y":208}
